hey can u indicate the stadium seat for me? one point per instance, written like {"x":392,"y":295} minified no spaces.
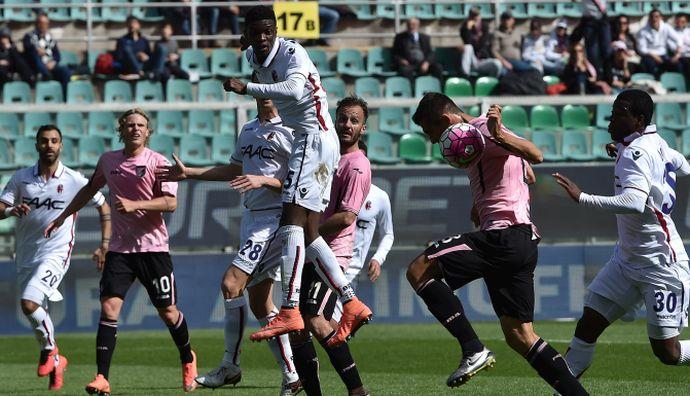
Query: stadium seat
{"x":450,"y":11}
{"x":551,"y":80}
{"x":392,"y":120}
{"x":575,"y":117}
{"x":5,"y":163}
{"x":663,"y":6}
{"x":519,"y":10}
{"x":680,"y":7}
{"x":670,"y":138}
{"x":420,"y":11}
{"x":379,"y":62}
{"x":570,"y":10}
{"x":225,"y":63}
{"x":193,"y":151}
{"x":194,"y":61}
{"x":71,"y":124}
{"x":603,"y":115}
{"x":245,"y":67}
{"x":426,"y":84}
{"x":484,"y":86}
{"x":25,"y":152}
{"x":380,"y":149}
{"x":542,"y":10}
{"x":320,"y":60}
{"x":363,"y":12}
{"x":350,"y":63}
{"x":629,"y":8}
{"x":102,"y":123}
{"x":149,"y":91}
{"x":574,"y":146}
{"x":413,"y":127}
{"x":222,"y":147}
{"x":546,"y":142}
{"x":413,"y":149}
{"x":335,"y":87}
{"x":436,"y":153}
{"x":49,"y":92}
{"x":228,"y":122}
{"x":642,"y":76}
{"x":515,"y":118}
{"x":68,"y":155}
{"x":18,"y":14}
{"x":56,"y":13}
{"x":668,"y":116}
{"x":169,"y":122}
{"x":544,"y":117}
{"x":69,"y":58}
{"x":14,"y":92}
{"x":117,"y":91}
{"x":599,"y":141}
{"x":387,"y":11}
{"x":9,"y":126}
{"x":80,"y":92}
{"x":685,"y":143}
{"x":456,"y":86}
{"x":484,"y":9}
{"x":474,"y":111}
{"x":90,"y":150}
{"x":79,"y":13}
{"x":33,"y":120}
{"x":397,"y":87}
{"x":367,"y":87}
{"x":179,"y":91}
{"x":673,"y":82}
{"x":112,"y":13}
{"x":147,"y":14}
{"x":202,"y":122}
{"x":449,"y":59}
{"x":211,"y":90}
{"x":162,"y":144}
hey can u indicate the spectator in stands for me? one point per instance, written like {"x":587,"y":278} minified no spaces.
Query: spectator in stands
{"x":558,"y":45}
{"x":506,"y":45}
{"x":619,"y":73}
{"x":534,"y":50}
{"x":412,"y":53}
{"x":133,"y":52}
{"x":42,"y":53}
{"x":11,"y":60}
{"x":208,"y":24}
{"x":621,"y":32}
{"x":683,"y":31}
{"x":166,"y":57}
{"x":659,"y":45}
{"x":594,"y":27}
{"x":580,"y":76}
{"x":476,"y":51}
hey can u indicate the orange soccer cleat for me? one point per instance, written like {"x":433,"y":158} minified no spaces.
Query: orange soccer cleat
{"x":287,"y":321}
{"x":46,"y":363}
{"x":188,"y":374}
{"x":355,"y":315}
{"x":57,"y":376}
{"x":99,"y":386}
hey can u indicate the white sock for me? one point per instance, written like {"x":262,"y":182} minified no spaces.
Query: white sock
{"x":235,"y":322}
{"x":579,"y":357}
{"x":280,"y":347}
{"x":292,"y":238}
{"x":327,"y":266}
{"x":684,"y":359}
{"x":43,"y":328}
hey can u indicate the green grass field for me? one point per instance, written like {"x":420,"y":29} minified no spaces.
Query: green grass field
{"x":392,"y":359}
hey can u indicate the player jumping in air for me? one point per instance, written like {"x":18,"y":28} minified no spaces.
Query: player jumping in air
{"x":139,"y":245}
{"x":649,"y":264}
{"x":257,"y":169}
{"x":350,"y":186}
{"x":36,"y":195}
{"x":503,"y":252}
{"x":288,"y":76}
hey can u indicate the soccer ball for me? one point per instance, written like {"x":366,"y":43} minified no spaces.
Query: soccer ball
{"x":461,"y":145}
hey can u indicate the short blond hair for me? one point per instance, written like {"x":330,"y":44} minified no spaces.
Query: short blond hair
{"x":135,"y":111}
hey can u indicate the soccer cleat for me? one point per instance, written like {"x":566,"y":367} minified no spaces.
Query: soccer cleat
{"x":99,"y":386}
{"x":220,"y":376}
{"x":291,"y":388}
{"x":361,"y":391}
{"x":469,"y":366}
{"x":287,"y":321}
{"x":46,"y":362}
{"x":189,"y":373}
{"x":57,"y":375}
{"x":355,"y":315}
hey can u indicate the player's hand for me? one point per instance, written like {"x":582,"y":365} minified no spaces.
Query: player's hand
{"x":54,"y":225}
{"x":20,"y":210}
{"x":494,"y":122}
{"x":172,"y":173}
{"x":99,"y":257}
{"x":235,"y":85}
{"x":245,"y":183}
{"x":611,"y":150}
{"x":374,"y":270}
{"x":124,"y":205}
{"x":571,"y":188}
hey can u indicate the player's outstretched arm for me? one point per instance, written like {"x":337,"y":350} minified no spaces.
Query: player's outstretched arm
{"x":179,"y":172}
{"x":518,"y":146}
{"x":630,"y":201}
{"x":290,"y":89}
{"x":99,"y":253}
{"x":82,"y":198}
{"x":245,"y":183}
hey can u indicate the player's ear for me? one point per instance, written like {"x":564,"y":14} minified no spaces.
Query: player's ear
{"x":447,"y":119}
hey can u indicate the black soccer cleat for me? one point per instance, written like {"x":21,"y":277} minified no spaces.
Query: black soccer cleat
{"x":469,"y":366}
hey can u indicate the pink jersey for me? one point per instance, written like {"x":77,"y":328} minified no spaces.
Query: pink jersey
{"x":497,"y":181}
{"x":134,"y":178}
{"x":350,"y":188}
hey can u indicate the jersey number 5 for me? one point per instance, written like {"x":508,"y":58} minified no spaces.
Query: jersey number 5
{"x":670,"y":187}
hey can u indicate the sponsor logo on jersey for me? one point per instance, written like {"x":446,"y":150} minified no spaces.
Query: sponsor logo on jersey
{"x":49,"y":203}
{"x":261,"y":151}
{"x":367,"y":205}
{"x":636,"y":154}
{"x":141,"y":170}
{"x":303,"y":192}
{"x":291,"y":50}
{"x":363,"y":224}
{"x":59,"y":188}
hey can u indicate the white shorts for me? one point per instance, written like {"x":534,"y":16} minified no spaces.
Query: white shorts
{"x":311,"y":167}
{"x":260,"y":250}
{"x":662,"y":289}
{"x":42,"y":280}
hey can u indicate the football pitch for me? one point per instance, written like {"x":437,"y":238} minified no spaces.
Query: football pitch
{"x":392,"y":359}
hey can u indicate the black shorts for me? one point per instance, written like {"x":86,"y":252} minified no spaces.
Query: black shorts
{"x":316,"y":298}
{"x":153,"y":269}
{"x":505,"y":258}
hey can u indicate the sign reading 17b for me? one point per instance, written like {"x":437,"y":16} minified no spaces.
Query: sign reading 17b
{"x":297,"y":19}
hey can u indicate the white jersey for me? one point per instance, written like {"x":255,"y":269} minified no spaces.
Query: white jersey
{"x":263,"y":149}
{"x":375,"y":214}
{"x":648,"y":164}
{"x":47,"y":200}
{"x":285,"y":59}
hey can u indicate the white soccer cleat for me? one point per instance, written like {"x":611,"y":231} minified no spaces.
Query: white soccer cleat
{"x":470,"y":365}
{"x":290,"y":388}
{"x":220,"y":376}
